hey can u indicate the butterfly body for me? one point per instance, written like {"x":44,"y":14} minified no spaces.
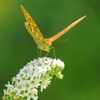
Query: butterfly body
{"x":43,"y":43}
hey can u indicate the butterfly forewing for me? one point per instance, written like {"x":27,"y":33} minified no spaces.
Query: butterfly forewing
{"x":55,"y":37}
{"x":32,"y":27}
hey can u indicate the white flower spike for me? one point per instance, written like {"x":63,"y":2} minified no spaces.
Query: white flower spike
{"x":36,"y":73}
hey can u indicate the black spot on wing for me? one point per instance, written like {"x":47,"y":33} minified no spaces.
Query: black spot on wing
{"x":36,"y":27}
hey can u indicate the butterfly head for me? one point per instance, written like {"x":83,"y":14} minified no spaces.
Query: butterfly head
{"x":45,"y":46}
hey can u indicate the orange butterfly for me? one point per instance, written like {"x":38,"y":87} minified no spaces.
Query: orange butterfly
{"x":43,"y":43}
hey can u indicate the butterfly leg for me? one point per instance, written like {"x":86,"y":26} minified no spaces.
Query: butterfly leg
{"x":53,"y":51}
{"x":39,"y":52}
{"x":47,"y":54}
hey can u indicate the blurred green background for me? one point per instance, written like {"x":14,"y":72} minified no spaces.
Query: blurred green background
{"x":81,"y":53}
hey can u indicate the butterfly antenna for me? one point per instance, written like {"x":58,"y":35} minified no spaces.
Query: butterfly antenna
{"x":61,"y":40}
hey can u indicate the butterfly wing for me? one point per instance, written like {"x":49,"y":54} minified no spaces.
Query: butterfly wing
{"x":55,"y":37}
{"x":32,"y":27}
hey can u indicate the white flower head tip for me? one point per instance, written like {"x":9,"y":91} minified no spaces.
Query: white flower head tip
{"x":36,"y":73}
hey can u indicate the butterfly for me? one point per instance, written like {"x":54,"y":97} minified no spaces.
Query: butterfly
{"x":44,"y":43}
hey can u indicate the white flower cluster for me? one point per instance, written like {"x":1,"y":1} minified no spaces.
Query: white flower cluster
{"x":37,"y":73}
